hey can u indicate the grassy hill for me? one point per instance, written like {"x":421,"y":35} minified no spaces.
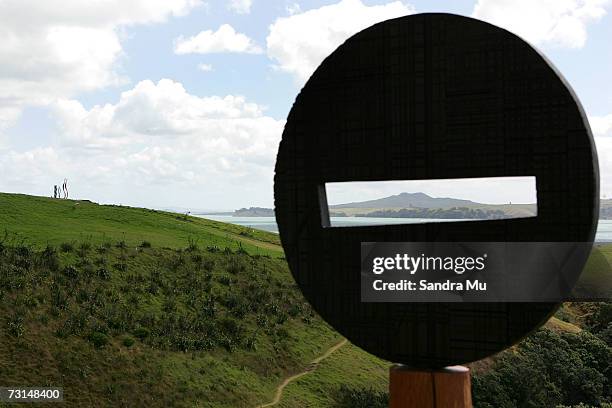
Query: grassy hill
{"x":128,"y":307}
{"x":132,"y":307}
{"x":40,"y":221}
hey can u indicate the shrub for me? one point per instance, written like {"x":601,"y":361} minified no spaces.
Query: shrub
{"x":235,"y":267}
{"x":100,"y":261}
{"x":145,"y":244}
{"x":208,"y":264}
{"x":295,"y":309}
{"x":120,"y":266}
{"x":15,"y":325}
{"x":98,"y":339}
{"x":70,"y":272}
{"x":225,"y":280}
{"x":50,"y":259}
{"x":192,"y":244}
{"x":121,"y":244}
{"x":103,"y":273}
{"x":361,"y":398}
{"x":251,"y":343}
{"x":128,"y":341}
{"x":22,"y":251}
{"x":141,"y":333}
{"x":85,"y":246}
{"x":562,"y":368}
{"x":66,"y":247}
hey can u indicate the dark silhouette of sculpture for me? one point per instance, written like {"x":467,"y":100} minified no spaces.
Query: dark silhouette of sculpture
{"x":430,"y":96}
{"x":65,"y":188}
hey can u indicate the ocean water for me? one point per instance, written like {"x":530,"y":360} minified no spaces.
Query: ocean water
{"x":604,"y":230}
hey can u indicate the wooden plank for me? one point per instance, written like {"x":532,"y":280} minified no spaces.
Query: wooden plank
{"x":448,"y":387}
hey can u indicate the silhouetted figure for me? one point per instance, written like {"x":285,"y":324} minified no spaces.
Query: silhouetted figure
{"x":55,"y":191}
{"x":65,"y":188}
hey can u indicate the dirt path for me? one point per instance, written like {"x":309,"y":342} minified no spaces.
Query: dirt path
{"x":311,"y":367}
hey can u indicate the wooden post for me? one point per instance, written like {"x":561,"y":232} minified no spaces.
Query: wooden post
{"x":448,"y":387}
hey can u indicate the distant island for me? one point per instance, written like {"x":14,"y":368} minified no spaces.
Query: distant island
{"x":605,"y":209}
{"x":421,"y":205}
{"x":460,"y":213}
{"x":254,"y":212}
{"x":414,"y":205}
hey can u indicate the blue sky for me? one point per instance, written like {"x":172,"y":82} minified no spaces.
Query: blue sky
{"x":181,"y":103}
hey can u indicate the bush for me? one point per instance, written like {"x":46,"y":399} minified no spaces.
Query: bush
{"x":141,"y":333}
{"x":145,"y":244}
{"x":23,"y":251}
{"x":235,"y":267}
{"x":361,"y":398}
{"x":50,"y":259}
{"x":120,"y":266}
{"x":85,"y":247}
{"x":225,"y":280}
{"x":98,"y":339}
{"x":128,"y":341}
{"x":192,"y":244}
{"x":548,"y":369}
{"x":70,"y":272}
{"x":66,"y":247}
{"x":103,"y":273}
{"x":15,"y":325}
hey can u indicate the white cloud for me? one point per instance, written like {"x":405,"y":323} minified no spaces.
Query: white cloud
{"x":550,"y":22}
{"x":225,"y":39}
{"x":205,"y":67}
{"x":299,"y":42}
{"x":601,"y":125}
{"x":240,"y":6}
{"x":602,"y":130}
{"x":56,"y":48}
{"x":159,"y":138}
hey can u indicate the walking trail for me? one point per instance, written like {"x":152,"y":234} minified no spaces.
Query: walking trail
{"x":311,"y":367}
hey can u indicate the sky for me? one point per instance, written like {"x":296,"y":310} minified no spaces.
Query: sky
{"x":181,"y":103}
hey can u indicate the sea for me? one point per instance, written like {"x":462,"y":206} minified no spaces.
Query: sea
{"x":604,"y":230}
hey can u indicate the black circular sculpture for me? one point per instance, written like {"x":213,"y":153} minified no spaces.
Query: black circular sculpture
{"x":430,"y":96}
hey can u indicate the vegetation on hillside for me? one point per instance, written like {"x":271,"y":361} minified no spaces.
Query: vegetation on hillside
{"x":130,"y":307}
{"x":564,"y":364}
{"x":461,"y":213}
{"x":111,"y":301}
{"x":210,"y":317}
{"x":550,"y":368}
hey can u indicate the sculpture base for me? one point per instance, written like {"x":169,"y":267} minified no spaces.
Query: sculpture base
{"x":447,"y":387}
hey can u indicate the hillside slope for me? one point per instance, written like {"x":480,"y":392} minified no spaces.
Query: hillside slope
{"x":42,"y":220}
{"x":131,"y":307}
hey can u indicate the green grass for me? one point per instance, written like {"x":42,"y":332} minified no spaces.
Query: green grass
{"x":41,"y":221}
{"x":133,"y":307}
{"x":349,"y":365}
